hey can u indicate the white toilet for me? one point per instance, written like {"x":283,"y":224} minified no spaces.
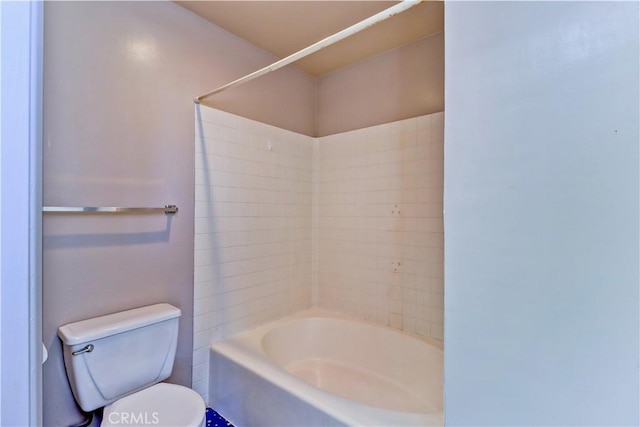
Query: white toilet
{"x":118,"y":361}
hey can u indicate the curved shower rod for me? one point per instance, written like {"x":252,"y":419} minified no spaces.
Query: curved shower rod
{"x":328,"y":41}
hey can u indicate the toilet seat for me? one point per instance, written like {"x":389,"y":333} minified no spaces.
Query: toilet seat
{"x":161,"y":405}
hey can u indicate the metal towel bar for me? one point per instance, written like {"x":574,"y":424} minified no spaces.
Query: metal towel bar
{"x":168,"y":209}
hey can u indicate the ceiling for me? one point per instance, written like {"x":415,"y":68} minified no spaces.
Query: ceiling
{"x":284,"y":27}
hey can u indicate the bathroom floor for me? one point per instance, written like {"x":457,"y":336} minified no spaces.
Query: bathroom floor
{"x":214,"y":419}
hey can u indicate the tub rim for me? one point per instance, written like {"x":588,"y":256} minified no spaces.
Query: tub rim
{"x":246,"y":349}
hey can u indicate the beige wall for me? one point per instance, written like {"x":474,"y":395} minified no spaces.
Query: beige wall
{"x":399,"y":84}
{"x":119,"y":83}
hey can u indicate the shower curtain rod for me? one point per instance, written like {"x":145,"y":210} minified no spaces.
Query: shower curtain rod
{"x":378,"y":17}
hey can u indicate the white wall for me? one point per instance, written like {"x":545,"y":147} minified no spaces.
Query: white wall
{"x":1,"y":105}
{"x":380,"y":232}
{"x":541,"y":213}
{"x":252,"y":228}
{"x":20,"y":178}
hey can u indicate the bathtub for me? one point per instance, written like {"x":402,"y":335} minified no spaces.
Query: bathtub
{"x":319,"y":368}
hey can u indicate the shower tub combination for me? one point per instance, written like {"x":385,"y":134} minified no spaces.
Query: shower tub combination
{"x":320,"y":368}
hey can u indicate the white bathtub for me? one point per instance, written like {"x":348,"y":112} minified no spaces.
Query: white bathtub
{"x":318,"y":368}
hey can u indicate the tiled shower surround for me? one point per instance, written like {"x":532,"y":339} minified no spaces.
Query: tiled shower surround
{"x":350,"y":222}
{"x":380,"y":224}
{"x":253,"y":202}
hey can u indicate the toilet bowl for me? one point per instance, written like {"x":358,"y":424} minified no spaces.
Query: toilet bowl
{"x":162,"y":405}
{"x":119,"y":361}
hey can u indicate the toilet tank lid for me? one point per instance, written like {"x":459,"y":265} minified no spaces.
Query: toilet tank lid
{"x":111,"y":324}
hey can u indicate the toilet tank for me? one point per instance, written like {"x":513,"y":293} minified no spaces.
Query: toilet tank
{"x":119,"y":354}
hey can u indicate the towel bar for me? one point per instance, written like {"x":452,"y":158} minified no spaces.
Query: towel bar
{"x":168,"y":209}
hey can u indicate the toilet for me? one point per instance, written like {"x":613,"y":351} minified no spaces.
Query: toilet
{"x":119,"y":361}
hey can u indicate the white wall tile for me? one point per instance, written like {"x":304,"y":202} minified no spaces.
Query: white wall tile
{"x":249,"y":246}
{"x":379,"y":203}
